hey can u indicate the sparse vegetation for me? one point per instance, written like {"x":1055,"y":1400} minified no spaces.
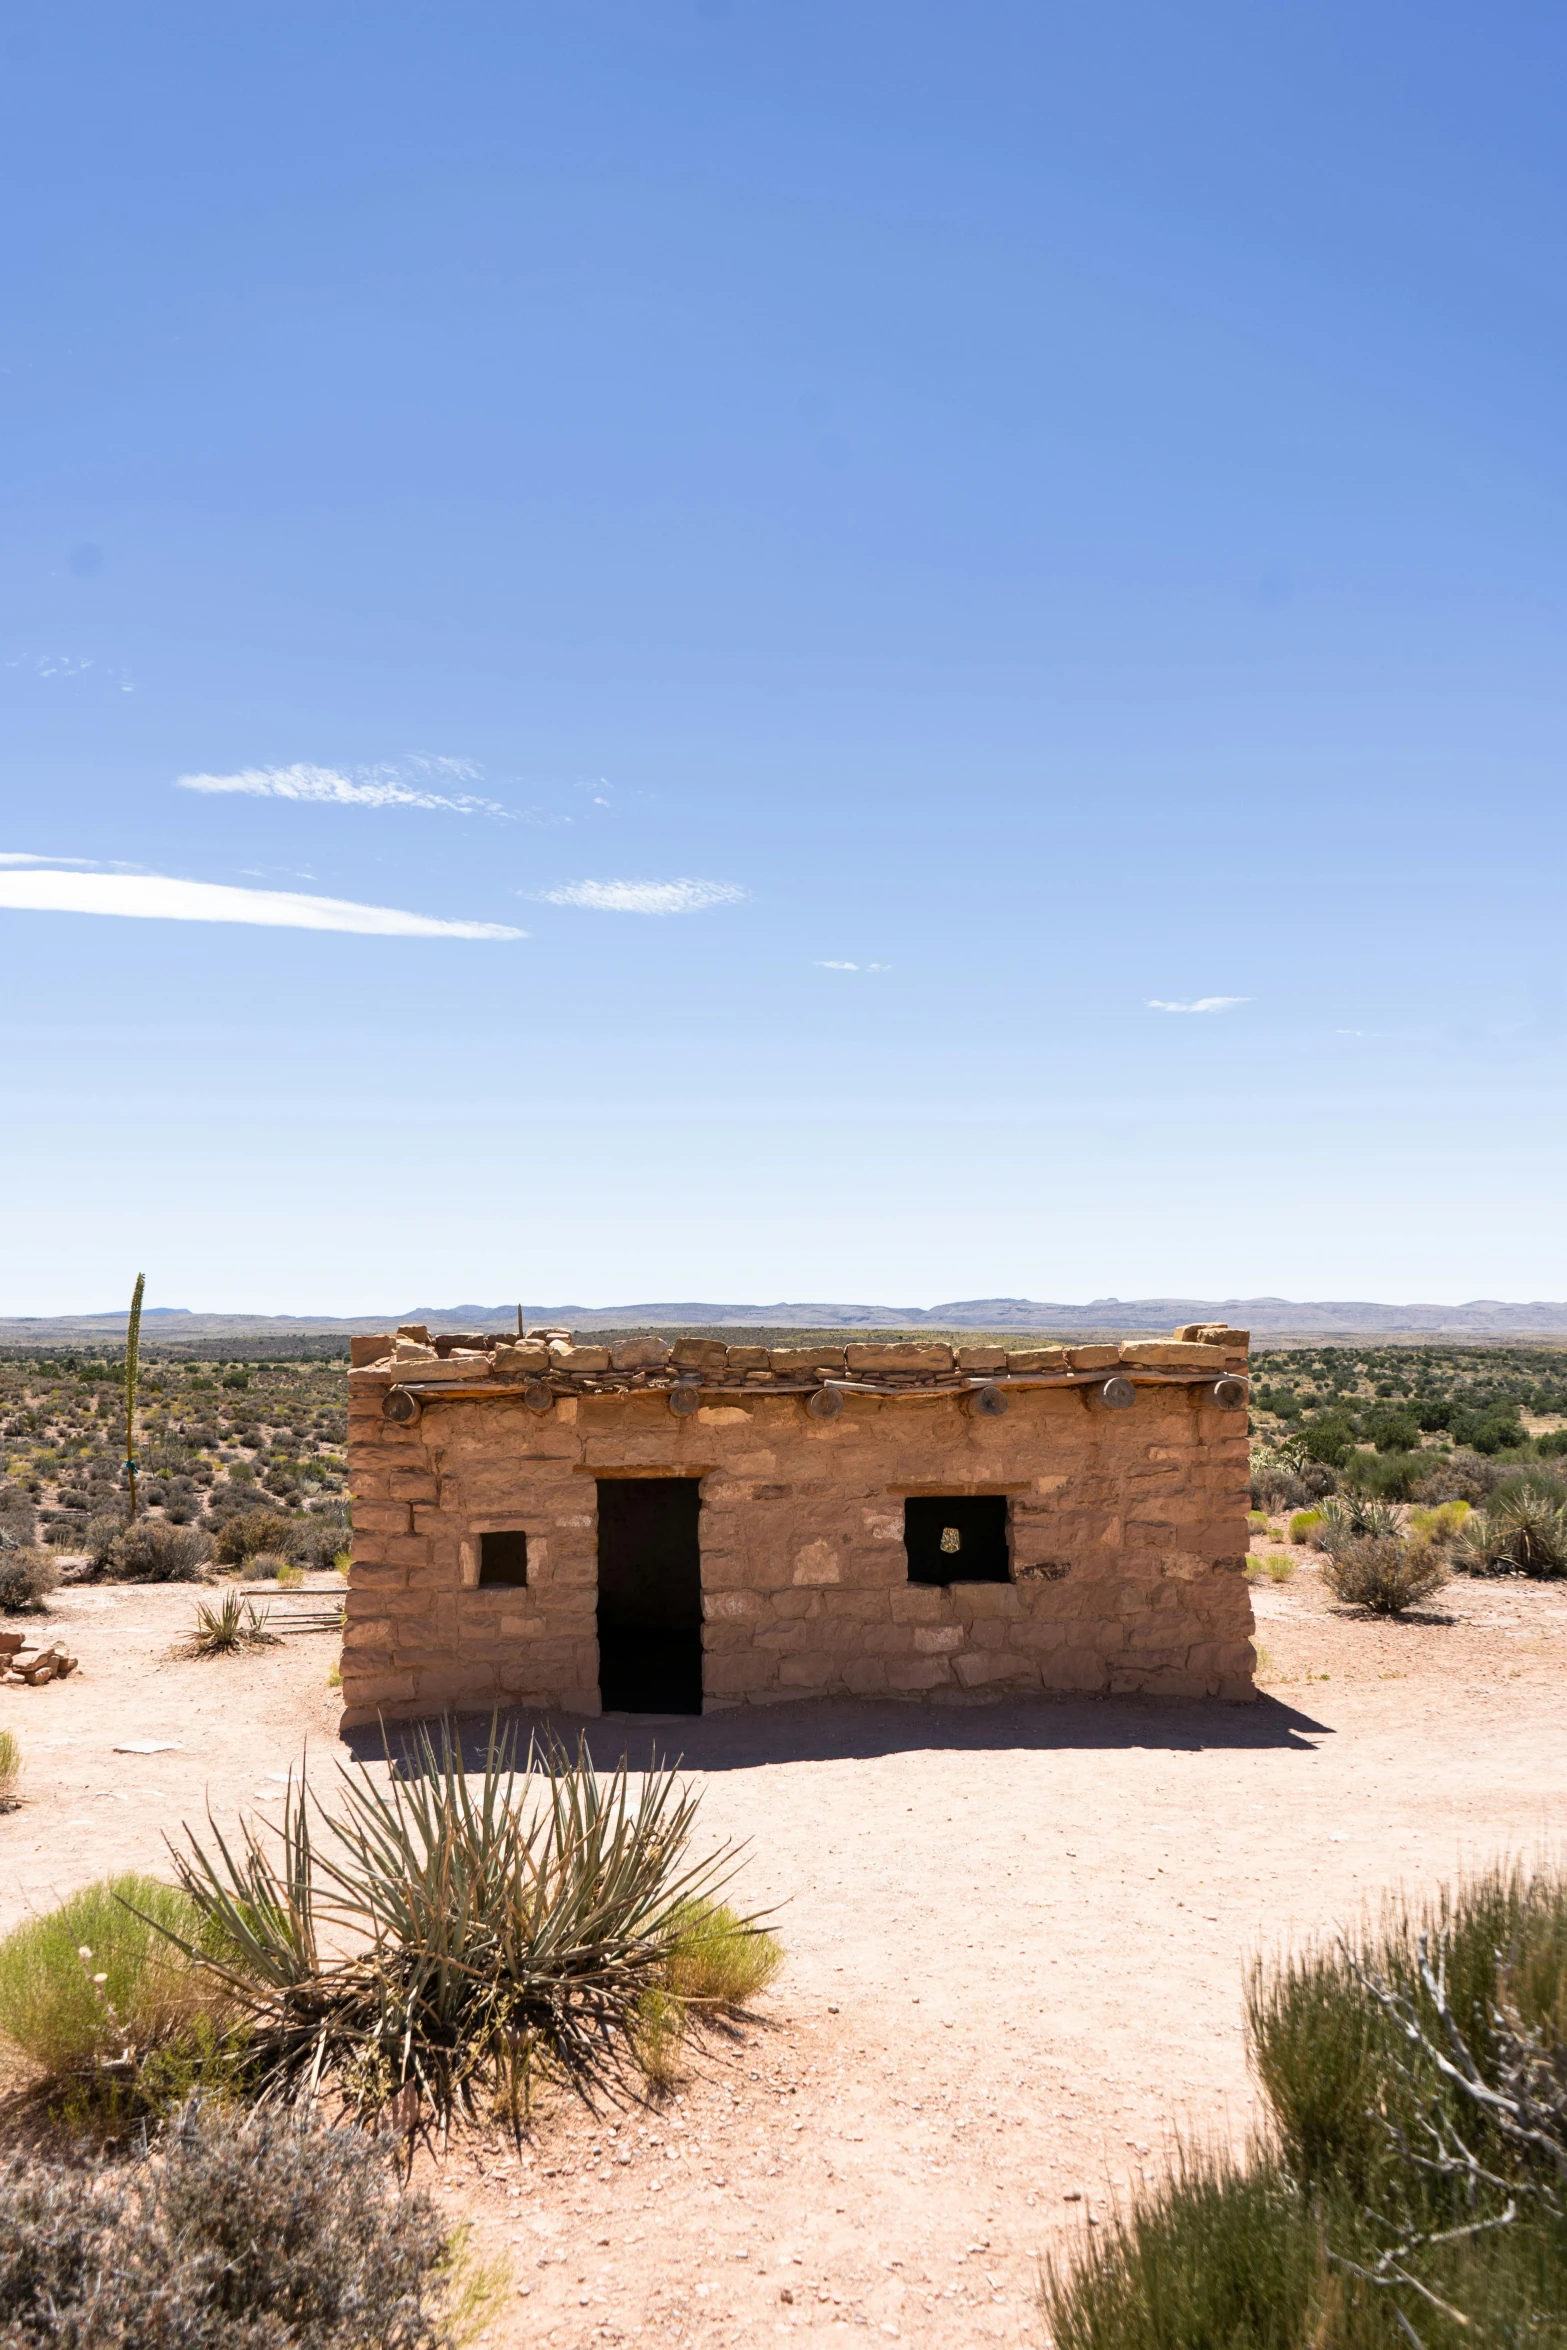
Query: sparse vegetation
{"x":1415,"y":2080}
{"x":239,"y":2232}
{"x":10,"y":1769}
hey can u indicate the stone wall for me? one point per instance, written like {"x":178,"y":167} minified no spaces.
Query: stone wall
{"x":1128,"y":1526}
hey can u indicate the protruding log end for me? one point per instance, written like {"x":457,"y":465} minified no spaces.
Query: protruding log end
{"x":683,"y":1401}
{"x":538,"y":1395}
{"x":825,"y":1404}
{"x":401,"y":1408}
{"x":1111,"y":1395}
{"x":1226,"y":1395}
{"x":987,"y":1403}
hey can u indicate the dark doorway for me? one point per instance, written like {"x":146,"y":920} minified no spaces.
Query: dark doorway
{"x":956,"y":1538}
{"x":650,"y":1595}
{"x":503,"y":1560}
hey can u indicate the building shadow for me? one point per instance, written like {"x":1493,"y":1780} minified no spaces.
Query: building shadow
{"x":745,"y":1738}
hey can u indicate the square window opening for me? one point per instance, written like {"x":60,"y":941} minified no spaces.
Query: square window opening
{"x":503,"y":1561}
{"x":957,"y":1538}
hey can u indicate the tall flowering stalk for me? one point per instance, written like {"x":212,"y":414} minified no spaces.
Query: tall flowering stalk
{"x":132,"y":1369}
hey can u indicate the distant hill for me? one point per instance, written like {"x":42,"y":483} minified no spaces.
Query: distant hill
{"x":1265,"y":1317}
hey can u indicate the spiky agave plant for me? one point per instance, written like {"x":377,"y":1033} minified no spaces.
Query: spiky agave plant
{"x":132,"y":1374}
{"x":235,"y":1623}
{"x":437,"y":1943}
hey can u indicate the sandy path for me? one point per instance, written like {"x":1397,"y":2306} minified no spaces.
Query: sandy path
{"x":1016,"y":1938}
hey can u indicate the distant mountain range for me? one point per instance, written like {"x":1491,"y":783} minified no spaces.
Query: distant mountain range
{"x":1265,"y":1317}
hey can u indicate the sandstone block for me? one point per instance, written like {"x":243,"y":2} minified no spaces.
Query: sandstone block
{"x":371,"y":1575}
{"x":938,"y":1639}
{"x":746,"y":1358}
{"x":379,"y":1688}
{"x":796,"y":1359}
{"x":1038,"y":1358}
{"x":987,"y":1671}
{"x":931,"y":1672}
{"x":639,"y":1354}
{"x":913,"y":1357}
{"x":810,"y":1668}
{"x":368,"y":1350}
{"x":1171,"y":1354}
{"x":981,"y":1358}
{"x":736,"y":1607}
{"x":985,"y":1599}
{"x":413,"y":1484}
{"x":738,"y":1676}
{"x":525,"y":1360}
{"x":382,"y":1517}
{"x":1093,"y":1358}
{"x":699,"y":1354}
{"x":578,"y":1358}
{"x":918,"y":1603}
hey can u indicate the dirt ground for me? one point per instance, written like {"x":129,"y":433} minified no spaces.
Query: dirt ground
{"x":1016,"y":1938}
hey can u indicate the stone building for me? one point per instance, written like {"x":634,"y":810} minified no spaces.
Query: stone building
{"x":653,"y":1528}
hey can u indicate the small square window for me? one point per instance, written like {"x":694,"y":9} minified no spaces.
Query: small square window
{"x":503,"y":1560}
{"x":957,"y":1538}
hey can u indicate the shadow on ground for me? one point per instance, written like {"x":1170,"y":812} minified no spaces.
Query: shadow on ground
{"x":837,"y":1730}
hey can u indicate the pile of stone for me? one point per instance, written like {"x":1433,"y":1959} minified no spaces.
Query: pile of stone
{"x":537,"y":1358}
{"x":23,"y":1660}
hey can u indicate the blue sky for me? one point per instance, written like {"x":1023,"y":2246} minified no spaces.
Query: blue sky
{"x":893,"y":544}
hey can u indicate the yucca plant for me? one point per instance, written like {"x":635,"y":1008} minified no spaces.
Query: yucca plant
{"x":234,"y":1624}
{"x":1531,"y":1526}
{"x":436,"y":1943}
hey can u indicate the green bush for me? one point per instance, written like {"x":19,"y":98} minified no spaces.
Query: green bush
{"x":240,"y":2232}
{"x":251,"y":1533}
{"x":1384,"y":1574}
{"x":26,"y":1579}
{"x":100,"y":1976}
{"x":1384,"y":1476}
{"x":10,"y":1769}
{"x":1302,"y":1523}
{"x":150,"y":1550}
{"x":1375,"y":2145}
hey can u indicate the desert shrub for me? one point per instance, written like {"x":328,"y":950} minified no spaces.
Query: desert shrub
{"x":10,"y":1769}
{"x":718,"y":1958}
{"x":1291,"y":1483}
{"x":18,"y":1519}
{"x":249,"y":2232}
{"x":26,"y":1579}
{"x":1439,"y":1524}
{"x":1223,"y":2258}
{"x":1393,"y":2063}
{"x":318,"y":1540}
{"x":103,"y":1532}
{"x":429,"y":1938}
{"x":1302,"y":1523}
{"x":249,"y":1533}
{"x":1383,"y":1574}
{"x":1278,"y":1565}
{"x":1383,"y":1476}
{"x":270,"y":1566}
{"x":1458,"y":1476}
{"x":149,"y":1550}
{"x":1343,"y":1520}
{"x":99,"y":1978}
{"x":1551,"y":1446}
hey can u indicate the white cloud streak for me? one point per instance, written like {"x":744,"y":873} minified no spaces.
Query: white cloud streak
{"x":823,"y":966}
{"x":368,"y":787}
{"x":1202,"y":1003}
{"x":645,"y":897}
{"x":153,"y":897}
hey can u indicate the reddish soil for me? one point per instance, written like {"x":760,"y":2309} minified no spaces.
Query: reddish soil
{"x":1016,"y":1938}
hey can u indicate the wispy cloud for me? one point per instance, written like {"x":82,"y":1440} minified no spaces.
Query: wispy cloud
{"x":645,"y":897}
{"x":156,"y":898}
{"x":1202,"y":1003}
{"x":824,"y":966}
{"x":25,"y":857}
{"x":408,"y":785}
